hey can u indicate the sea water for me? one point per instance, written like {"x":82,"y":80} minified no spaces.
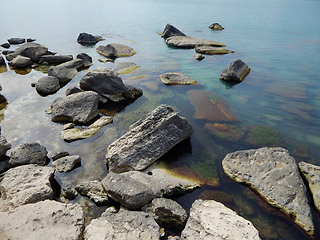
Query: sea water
{"x":278,"y":40}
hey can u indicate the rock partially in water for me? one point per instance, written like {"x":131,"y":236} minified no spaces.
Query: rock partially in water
{"x":60,"y":154}
{"x":210,"y":106}
{"x":236,"y":71}
{"x":135,"y":188}
{"x":191,"y":42}
{"x":170,"y":31}
{"x":72,"y":90}
{"x":123,"y":225}
{"x":147,"y":140}
{"x":167,"y":213}
{"x":55,"y":59}
{"x":212,"y":220}
{"x":115,"y":50}
{"x":5,"y":45}
{"x":2,"y":61}
{"x":199,"y":56}
{"x":4,"y":147}
{"x":311,"y":173}
{"x":24,"y":185}
{"x":264,"y":136}
{"x":69,"y":192}
{"x":43,"y":220}
{"x":227,"y":132}
{"x":63,"y":73}
{"x":34,"y":51}
{"x":28,"y":153}
{"x":16,"y":40}
{"x":175,"y":78}
{"x":210,"y":50}
{"x":66,"y":164}
{"x":216,"y":26}
{"x":94,"y":191}
{"x":47,"y":85}
{"x":20,"y":62}
{"x":126,"y":67}
{"x":78,"y":107}
{"x":274,"y":175}
{"x":88,"y":39}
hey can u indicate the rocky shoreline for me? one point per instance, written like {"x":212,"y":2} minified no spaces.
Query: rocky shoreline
{"x":142,"y":191}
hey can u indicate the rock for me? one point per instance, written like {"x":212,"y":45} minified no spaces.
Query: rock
{"x":78,"y":107}
{"x":199,"y":56}
{"x":274,"y":175}
{"x":69,"y":193}
{"x":94,"y":191}
{"x":4,"y":147}
{"x":67,"y":164}
{"x":47,"y":85}
{"x":68,"y":126}
{"x":4,"y":166}
{"x":16,"y":40}
{"x":34,"y":51}
{"x":147,"y":140}
{"x":86,"y":38}
{"x":55,"y":59}
{"x":212,"y":220}
{"x":24,"y":185}
{"x":210,"y":106}
{"x":230,"y":133}
{"x":86,"y":59}
{"x":114,"y":50}
{"x":124,"y":225}
{"x":210,"y":50}
{"x":28,"y":153}
{"x":20,"y":62}
{"x":236,"y":71}
{"x":64,"y":74}
{"x":170,"y":31}
{"x":311,"y":173}
{"x":126,"y":67}
{"x":43,"y":220}
{"x":2,"y":61}
{"x":6,"y":52}
{"x":216,"y":26}
{"x":167,"y":213}
{"x":58,"y":155}
{"x":73,"y":134}
{"x":175,"y":78}
{"x":5,"y":45}
{"x":31,"y":39}
{"x":72,"y":90}
{"x":190,"y":42}
{"x":264,"y":136}
{"x":108,"y":84}
{"x":134,"y":189}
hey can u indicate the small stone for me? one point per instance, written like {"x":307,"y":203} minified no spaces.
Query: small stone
{"x":16,"y":40}
{"x":5,"y":45}
{"x":199,"y":56}
{"x":68,"y":126}
{"x":59,"y":155}
{"x":69,"y":193}
{"x":216,"y":26}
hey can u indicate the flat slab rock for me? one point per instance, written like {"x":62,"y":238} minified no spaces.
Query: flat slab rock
{"x":43,"y":220}
{"x":175,"y":78}
{"x":115,"y":50}
{"x":210,"y":50}
{"x":273,"y":174}
{"x":212,"y":220}
{"x":25,"y":184}
{"x":135,"y":188}
{"x":147,"y":140}
{"x":124,"y":225}
{"x":191,"y":42}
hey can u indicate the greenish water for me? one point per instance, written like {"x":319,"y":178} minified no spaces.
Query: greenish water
{"x":278,"y":40}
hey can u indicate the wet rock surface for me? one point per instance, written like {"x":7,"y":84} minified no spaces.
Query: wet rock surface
{"x":87,"y":38}
{"x":212,"y":220}
{"x":31,"y":50}
{"x":20,"y":62}
{"x":16,"y":40}
{"x":147,"y":140}
{"x":210,"y":50}
{"x":175,"y":78}
{"x":226,"y":132}
{"x":216,"y":26}
{"x":43,"y":220}
{"x":190,"y":42}
{"x":170,"y":31}
{"x":66,"y":164}
{"x":236,"y":71}
{"x":115,"y":50}
{"x":4,"y":147}
{"x":274,"y":175}
{"x":48,"y":85}
{"x":94,"y":191}
{"x":126,"y":67}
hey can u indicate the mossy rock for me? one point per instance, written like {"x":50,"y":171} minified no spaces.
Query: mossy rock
{"x":210,"y":50}
{"x":227,"y":132}
{"x":264,"y":136}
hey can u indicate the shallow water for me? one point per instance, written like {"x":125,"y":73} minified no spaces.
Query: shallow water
{"x":278,"y":40}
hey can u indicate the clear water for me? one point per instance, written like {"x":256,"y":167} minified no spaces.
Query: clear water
{"x":279,"y":40}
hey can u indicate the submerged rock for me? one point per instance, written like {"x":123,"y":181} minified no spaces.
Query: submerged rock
{"x":147,"y":140}
{"x":274,"y":175}
{"x":66,"y":164}
{"x":210,"y":50}
{"x":175,"y":78}
{"x":216,"y":26}
{"x":48,"y":85}
{"x":264,"y":136}
{"x":43,"y":220}
{"x":94,"y":191}
{"x":225,"y":132}
{"x":170,"y":31}
{"x":115,"y":50}
{"x":236,"y":71}
{"x":124,"y":225}
{"x":191,"y":42}
{"x":212,"y":220}
{"x":126,"y":67}
{"x":86,"y":38}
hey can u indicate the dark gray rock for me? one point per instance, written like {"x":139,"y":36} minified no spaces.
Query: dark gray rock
{"x":123,"y":225}
{"x":47,"y":85}
{"x":67,"y":164}
{"x":216,"y":26}
{"x":199,"y":56}
{"x":28,"y":153}
{"x":94,"y":191}
{"x":2,"y":61}
{"x":55,"y":59}
{"x":86,"y":38}
{"x":34,"y":51}
{"x":236,"y":71}
{"x":5,"y":45}
{"x":72,"y":90}
{"x":4,"y":166}
{"x":20,"y":62}
{"x":64,"y":74}
{"x":31,"y":39}
{"x":86,"y":59}
{"x":69,"y":192}
{"x":16,"y":40}
{"x":61,"y":154}
{"x":190,"y":42}
{"x":167,"y":213}
{"x":147,"y":140}
{"x":114,"y":50}
{"x":4,"y":147}
{"x":170,"y":31}
{"x":78,"y":107}
{"x":6,"y":52}
{"x":275,"y":176}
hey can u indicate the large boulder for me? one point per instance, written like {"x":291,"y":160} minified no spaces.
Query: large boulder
{"x":43,"y":220}
{"x":34,"y":51}
{"x":135,"y":188}
{"x":115,"y":50}
{"x":236,"y":71}
{"x":212,"y":220}
{"x":4,"y":147}
{"x":175,"y":78}
{"x":191,"y":42}
{"x":170,"y":31}
{"x":25,"y":184}
{"x":148,"y":139}
{"x":274,"y":175}
{"x":47,"y":85}
{"x":55,"y":59}
{"x":20,"y":62}
{"x":28,"y":153}
{"x":124,"y":225}
{"x":78,"y":107}
{"x":108,"y":84}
